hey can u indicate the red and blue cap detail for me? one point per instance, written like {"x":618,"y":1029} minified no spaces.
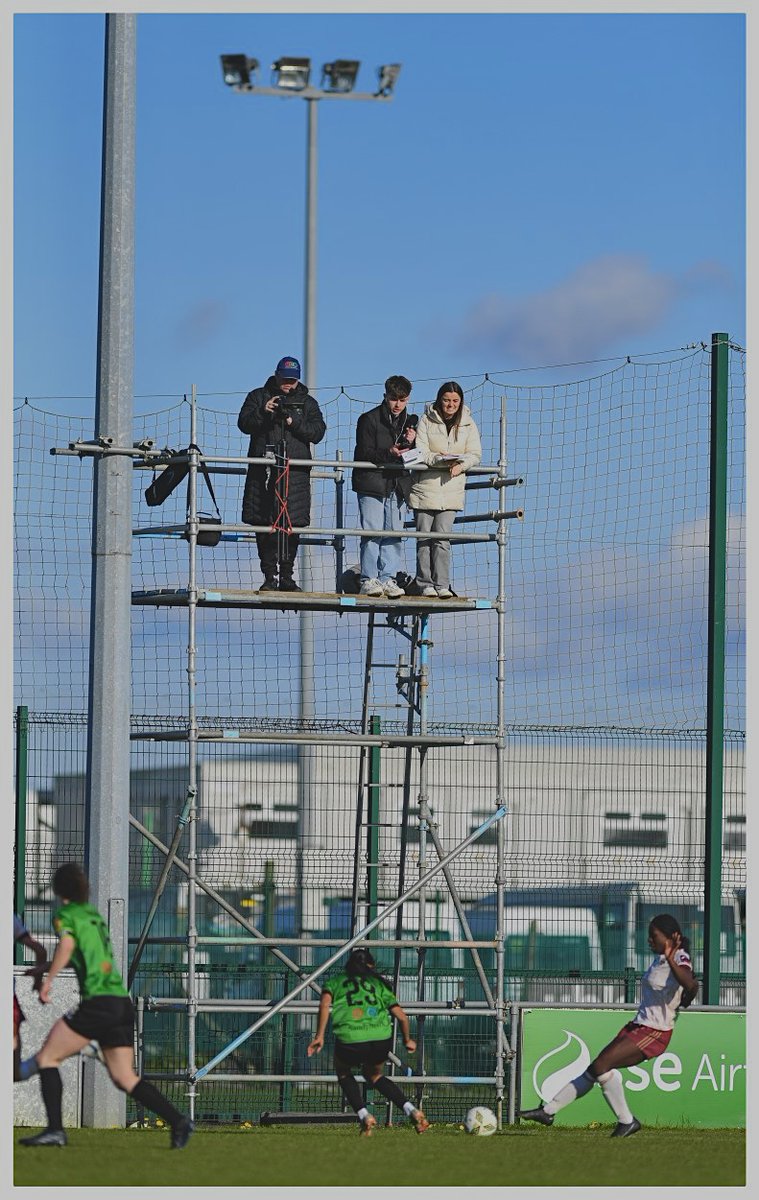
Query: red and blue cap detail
{"x":288,"y":368}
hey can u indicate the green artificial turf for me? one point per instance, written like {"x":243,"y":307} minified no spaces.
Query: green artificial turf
{"x":321,"y":1155}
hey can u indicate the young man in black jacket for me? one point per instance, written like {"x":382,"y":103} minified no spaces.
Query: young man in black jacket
{"x":282,"y":416}
{"x":382,"y":434}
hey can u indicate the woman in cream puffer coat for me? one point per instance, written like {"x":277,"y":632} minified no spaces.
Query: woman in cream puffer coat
{"x":449,"y":443}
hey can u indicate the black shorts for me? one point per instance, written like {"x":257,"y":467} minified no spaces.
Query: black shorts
{"x":108,"y":1020}
{"x":355,"y":1054}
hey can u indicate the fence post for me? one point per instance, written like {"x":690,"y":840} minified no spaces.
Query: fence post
{"x":19,"y":850}
{"x":715,"y":699}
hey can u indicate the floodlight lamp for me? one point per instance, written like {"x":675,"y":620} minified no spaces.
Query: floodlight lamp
{"x":292,"y":74}
{"x":237,"y":69}
{"x":340,"y":75}
{"x":387,"y":76}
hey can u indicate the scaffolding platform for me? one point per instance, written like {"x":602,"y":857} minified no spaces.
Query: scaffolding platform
{"x":314,"y":601}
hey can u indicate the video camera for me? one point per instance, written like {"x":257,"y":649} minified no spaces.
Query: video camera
{"x":289,"y":406}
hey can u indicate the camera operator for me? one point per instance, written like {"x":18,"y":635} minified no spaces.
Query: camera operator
{"x":283,"y":417}
{"x":382,"y":436}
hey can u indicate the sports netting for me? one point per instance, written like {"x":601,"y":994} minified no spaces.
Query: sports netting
{"x":604,"y":701}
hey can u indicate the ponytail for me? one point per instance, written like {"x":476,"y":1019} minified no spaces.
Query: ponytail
{"x":668,"y":925}
{"x":361,"y":965}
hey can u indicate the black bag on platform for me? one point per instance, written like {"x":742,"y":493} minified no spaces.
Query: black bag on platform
{"x":169,"y":479}
{"x":207,"y":537}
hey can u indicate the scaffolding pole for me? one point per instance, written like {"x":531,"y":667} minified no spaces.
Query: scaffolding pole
{"x":361,"y":791}
{"x":500,"y":949}
{"x":424,"y":645}
{"x":192,"y":754}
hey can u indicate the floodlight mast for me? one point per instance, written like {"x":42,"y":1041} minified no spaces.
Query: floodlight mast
{"x":291,"y":77}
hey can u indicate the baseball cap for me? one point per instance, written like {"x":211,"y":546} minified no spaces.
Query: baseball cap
{"x":288,"y":368}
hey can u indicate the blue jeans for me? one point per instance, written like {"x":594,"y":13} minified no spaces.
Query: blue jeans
{"x":380,"y":557}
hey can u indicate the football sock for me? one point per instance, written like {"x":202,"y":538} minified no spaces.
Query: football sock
{"x":409,"y":1108}
{"x":362,"y":1112}
{"x":351,"y":1091}
{"x":52,"y":1093}
{"x":27,"y":1068}
{"x":390,"y":1090}
{"x":614,"y":1095}
{"x":571,"y":1091}
{"x":147,"y":1095}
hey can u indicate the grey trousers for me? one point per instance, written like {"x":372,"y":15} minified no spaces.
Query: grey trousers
{"x":433,"y":557}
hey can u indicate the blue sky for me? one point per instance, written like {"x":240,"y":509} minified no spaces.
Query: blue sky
{"x":543,"y":189}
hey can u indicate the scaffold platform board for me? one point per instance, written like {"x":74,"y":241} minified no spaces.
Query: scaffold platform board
{"x":318,"y":601}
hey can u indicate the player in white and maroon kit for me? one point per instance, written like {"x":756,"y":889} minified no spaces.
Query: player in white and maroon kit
{"x":667,"y":985}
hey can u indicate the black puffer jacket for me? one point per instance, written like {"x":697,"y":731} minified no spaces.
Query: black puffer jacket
{"x":376,"y":432}
{"x":269,"y":429}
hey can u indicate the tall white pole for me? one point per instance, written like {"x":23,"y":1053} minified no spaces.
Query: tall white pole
{"x":308,"y":828}
{"x":310,"y":280}
{"x":109,"y":702}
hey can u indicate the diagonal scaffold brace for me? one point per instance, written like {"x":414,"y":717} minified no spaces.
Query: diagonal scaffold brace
{"x":231,"y":911}
{"x":358,"y":937}
{"x":171,"y":855}
{"x":466,"y":930}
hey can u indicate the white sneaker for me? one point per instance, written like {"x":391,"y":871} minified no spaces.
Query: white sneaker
{"x":430,"y":591}
{"x":372,"y":587}
{"x":392,"y":589}
{"x":444,"y":593}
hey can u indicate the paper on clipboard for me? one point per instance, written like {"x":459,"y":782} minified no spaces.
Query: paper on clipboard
{"x":448,"y":458}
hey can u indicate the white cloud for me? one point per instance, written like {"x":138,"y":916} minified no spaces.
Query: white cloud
{"x":612,"y":297}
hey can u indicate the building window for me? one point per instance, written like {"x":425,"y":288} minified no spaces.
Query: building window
{"x":734,"y":835}
{"x":271,"y":829}
{"x":638,"y":831}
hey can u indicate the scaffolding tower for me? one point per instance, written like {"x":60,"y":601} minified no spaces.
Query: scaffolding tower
{"x":406,"y":622}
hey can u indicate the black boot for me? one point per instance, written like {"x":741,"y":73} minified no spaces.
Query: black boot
{"x":286,"y":581}
{"x":287,"y":550}
{"x":537,"y":1114}
{"x":180,"y":1133}
{"x":267,"y":556}
{"x":48,"y":1137}
{"x":622,"y":1130}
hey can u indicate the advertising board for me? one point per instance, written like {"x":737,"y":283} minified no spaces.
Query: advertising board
{"x":700,"y":1080}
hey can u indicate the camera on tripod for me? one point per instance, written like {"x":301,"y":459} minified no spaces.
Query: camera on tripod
{"x":288,"y":406}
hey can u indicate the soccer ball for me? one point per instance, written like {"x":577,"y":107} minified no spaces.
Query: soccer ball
{"x":481,"y":1120}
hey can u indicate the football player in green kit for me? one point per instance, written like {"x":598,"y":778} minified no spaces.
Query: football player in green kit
{"x":105,"y":1013}
{"x":362,"y":1005}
